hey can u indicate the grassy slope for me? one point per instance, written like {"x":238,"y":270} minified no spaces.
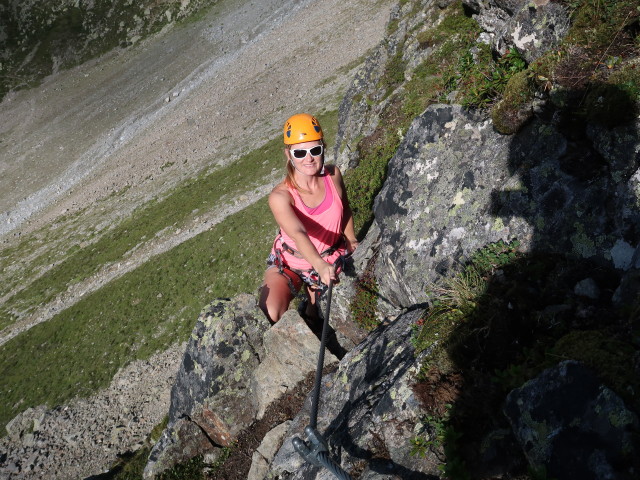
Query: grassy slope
{"x":202,"y":194}
{"x":79,"y":350}
{"x":144,"y":311}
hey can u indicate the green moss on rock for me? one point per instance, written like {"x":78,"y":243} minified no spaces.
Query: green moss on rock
{"x":616,"y":100}
{"x":609,"y":357}
{"x":515,"y":108}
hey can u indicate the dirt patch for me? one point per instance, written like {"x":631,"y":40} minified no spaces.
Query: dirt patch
{"x":237,"y":466}
{"x":437,"y":390}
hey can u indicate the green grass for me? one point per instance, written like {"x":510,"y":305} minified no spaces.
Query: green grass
{"x":365,"y":181}
{"x":442,"y":72}
{"x":146,"y":310}
{"x":364,"y":304}
{"x":201,"y":194}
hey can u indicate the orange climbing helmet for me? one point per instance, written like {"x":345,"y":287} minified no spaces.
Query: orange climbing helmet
{"x":302,"y":127}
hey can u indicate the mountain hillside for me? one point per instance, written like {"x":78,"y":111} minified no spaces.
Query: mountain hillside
{"x":488,"y":324}
{"x":158,"y":151}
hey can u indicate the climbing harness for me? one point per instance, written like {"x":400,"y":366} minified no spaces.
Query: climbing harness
{"x":309,"y":276}
{"x":316,"y":450}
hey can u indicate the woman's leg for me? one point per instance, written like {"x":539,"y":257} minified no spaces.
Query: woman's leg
{"x":277,"y":293}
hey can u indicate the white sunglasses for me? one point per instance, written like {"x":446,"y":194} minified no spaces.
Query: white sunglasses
{"x":302,"y":152}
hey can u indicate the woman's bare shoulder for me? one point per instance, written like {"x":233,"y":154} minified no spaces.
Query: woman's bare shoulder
{"x":280,"y":193}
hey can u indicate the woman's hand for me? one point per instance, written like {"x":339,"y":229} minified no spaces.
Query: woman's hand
{"x":327,"y":273}
{"x":352,"y":245}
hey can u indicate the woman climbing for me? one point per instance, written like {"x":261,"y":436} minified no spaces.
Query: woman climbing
{"x":316,"y":225}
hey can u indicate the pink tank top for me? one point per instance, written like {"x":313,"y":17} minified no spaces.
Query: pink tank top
{"x":323,"y":224}
{"x":326,"y":203}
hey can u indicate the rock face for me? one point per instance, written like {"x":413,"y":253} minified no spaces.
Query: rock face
{"x":234,"y":366}
{"x":456,"y":185}
{"x":264,"y":454}
{"x":291,"y":351}
{"x":367,"y":412}
{"x":225,"y":347}
{"x":531,"y":27}
{"x":453,"y":186}
{"x":572,"y":426}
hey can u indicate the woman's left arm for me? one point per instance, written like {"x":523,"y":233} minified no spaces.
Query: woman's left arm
{"x":347,"y":219}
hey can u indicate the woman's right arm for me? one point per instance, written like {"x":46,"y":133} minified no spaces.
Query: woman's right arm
{"x":281,"y":207}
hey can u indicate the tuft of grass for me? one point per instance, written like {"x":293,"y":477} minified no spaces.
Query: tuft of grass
{"x":190,"y":470}
{"x":603,"y":37}
{"x":364,"y":304}
{"x":456,"y":28}
{"x":602,"y":24}
{"x":494,"y":255}
{"x":601,"y":352}
{"x":616,"y":100}
{"x":365,"y":181}
{"x":510,"y":114}
{"x":484,"y":83}
{"x":460,"y":296}
{"x":451,"y":42}
{"x":393,"y":73}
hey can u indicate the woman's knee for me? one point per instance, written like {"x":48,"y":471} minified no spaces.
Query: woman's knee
{"x":278,"y":290}
{"x":275,"y":297}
